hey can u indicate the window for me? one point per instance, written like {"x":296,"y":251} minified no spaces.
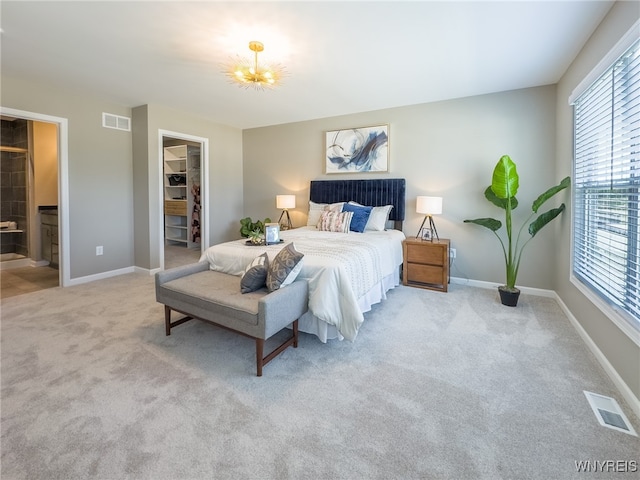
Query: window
{"x":606,"y":186}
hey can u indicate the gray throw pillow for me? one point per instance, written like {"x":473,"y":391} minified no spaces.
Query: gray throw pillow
{"x":284,"y":268}
{"x":255,"y":275}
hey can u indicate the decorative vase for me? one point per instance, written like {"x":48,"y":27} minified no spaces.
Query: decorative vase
{"x":509,"y":296}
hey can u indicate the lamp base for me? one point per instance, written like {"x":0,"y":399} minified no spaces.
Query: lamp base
{"x":288,"y":225}
{"x":432,"y":230}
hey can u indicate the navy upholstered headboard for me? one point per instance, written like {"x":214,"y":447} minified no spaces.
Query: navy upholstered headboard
{"x":372,"y":192}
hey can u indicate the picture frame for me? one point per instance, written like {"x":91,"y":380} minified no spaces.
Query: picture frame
{"x":271,"y":233}
{"x":357,"y":150}
{"x":425,"y":234}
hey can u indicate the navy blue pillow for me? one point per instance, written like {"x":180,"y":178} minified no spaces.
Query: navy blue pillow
{"x":360,"y":216}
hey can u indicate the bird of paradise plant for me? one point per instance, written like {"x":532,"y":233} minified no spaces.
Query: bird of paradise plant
{"x":502,"y":193}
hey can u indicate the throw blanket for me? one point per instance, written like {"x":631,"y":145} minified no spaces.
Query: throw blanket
{"x":340,"y":268}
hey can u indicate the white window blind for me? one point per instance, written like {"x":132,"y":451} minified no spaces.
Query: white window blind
{"x":606,"y":240}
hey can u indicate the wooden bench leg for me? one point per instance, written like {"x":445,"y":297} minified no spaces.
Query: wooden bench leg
{"x":167,"y":320}
{"x":262,"y":361}
{"x":259,"y":353}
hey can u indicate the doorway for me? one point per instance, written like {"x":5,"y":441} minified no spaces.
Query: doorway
{"x":34,"y":187}
{"x":183,"y":190}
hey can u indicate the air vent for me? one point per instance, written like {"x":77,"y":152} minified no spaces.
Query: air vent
{"x":109,"y":120}
{"x":609,"y":413}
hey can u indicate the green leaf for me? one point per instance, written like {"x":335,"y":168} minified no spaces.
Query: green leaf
{"x":505,"y":181}
{"x":490,"y":223}
{"x":499,"y":202}
{"x":550,"y":193}
{"x":543,"y":219}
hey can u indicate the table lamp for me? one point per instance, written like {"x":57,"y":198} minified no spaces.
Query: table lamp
{"x":285,"y":202}
{"x":429,"y":206}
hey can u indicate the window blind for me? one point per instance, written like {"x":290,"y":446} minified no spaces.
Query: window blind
{"x":606,"y":239}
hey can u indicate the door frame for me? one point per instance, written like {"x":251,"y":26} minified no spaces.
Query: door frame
{"x":204,"y":187}
{"x":64,"y":270}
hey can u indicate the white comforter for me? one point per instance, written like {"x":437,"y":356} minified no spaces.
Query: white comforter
{"x":340,"y":268}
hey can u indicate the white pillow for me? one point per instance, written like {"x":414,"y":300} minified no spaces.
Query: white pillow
{"x":315,"y":209}
{"x":377,"y":218}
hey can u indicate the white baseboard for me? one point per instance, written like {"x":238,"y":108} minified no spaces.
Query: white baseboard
{"x":540,"y":292}
{"x":100,"y":276}
{"x":39,"y":263}
{"x":146,"y":271}
{"x":620,"y":384}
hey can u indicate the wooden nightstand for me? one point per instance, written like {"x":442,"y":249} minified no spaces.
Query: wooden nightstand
{"x":426,"y":264}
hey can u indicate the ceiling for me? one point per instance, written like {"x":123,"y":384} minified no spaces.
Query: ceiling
{"x":340,"y":57}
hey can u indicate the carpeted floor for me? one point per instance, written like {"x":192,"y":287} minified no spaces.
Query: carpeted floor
{"x":435,"y":386}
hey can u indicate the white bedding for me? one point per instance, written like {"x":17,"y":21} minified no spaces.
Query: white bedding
{"x":344,"y":270}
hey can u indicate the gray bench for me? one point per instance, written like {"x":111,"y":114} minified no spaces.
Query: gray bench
{"x":197,"y":292}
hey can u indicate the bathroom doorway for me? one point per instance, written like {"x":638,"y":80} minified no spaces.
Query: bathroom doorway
{"x":33,"y":175}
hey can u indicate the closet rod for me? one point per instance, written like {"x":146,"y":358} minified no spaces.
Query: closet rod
{"x":13,"y":149}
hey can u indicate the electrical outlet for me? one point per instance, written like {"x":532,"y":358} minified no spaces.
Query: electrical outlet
{"x":99,"y":250}
{"x":452,"y":252}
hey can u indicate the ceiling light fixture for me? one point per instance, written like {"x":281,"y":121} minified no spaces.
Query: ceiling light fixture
{"x":249,"y":73}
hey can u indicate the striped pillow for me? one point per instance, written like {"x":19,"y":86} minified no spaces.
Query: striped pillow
{"x":335,"y":221}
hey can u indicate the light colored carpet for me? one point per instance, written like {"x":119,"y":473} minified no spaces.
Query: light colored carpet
{"x":435,"y":386}
{"x":176,"y":255}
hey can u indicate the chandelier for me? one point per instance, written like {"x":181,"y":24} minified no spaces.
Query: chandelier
{"x":247,"y":72}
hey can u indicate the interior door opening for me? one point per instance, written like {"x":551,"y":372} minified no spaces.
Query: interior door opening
{"x":34,"y":202}
{"x":182,"y":200}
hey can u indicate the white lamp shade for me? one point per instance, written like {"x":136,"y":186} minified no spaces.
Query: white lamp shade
{"x":285,"y":201}
{"x":429,"y":205}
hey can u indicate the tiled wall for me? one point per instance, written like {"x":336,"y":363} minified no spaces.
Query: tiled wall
{"x":13,"y":186}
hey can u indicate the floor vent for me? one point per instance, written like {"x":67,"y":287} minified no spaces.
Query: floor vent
{"x":109,"y":120}
{"x":609,"y":413}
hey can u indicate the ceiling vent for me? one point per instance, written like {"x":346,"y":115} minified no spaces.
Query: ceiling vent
{"x":109,"y":120}
{"x":609,"y":413}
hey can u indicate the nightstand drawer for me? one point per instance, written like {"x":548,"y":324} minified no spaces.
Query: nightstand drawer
{"x":430,"y":256}
{"x":425,"y":274}
{"x":426,"y":264}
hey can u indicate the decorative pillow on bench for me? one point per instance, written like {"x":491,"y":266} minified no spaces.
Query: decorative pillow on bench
{"x":284,"y":269}
{"x":255,"y":275}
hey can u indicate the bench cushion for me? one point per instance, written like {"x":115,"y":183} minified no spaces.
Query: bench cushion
{"x":217,"y":293}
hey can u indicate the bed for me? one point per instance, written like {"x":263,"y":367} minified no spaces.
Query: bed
{"x":347,"y":272}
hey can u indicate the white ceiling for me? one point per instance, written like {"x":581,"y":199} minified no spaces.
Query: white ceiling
{"x":341,"y":57}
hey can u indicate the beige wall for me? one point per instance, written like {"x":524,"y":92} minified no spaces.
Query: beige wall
{"x":622,"y":353}
{"x":103,"y":198}
{"x":447,"y":149}
{"x":224,"y":208}
{"x":100,"y":179}
{"x":45,"y":164}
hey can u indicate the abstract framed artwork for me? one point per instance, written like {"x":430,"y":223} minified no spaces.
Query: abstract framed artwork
{"x":357,"y":150}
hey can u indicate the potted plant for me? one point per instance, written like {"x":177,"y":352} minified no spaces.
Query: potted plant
{"x":253,"y":230}
{"x":502,"y":193}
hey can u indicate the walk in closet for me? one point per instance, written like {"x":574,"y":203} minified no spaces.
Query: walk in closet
{"x":182,"y":207}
